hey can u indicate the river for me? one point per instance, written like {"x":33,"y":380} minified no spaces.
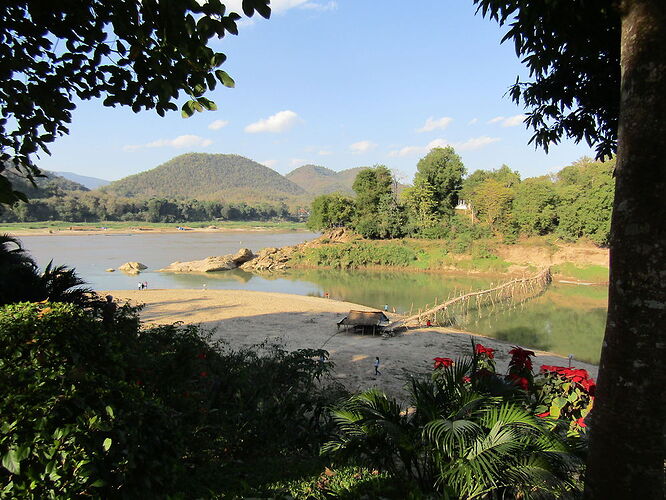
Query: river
{"x":567,"y":319}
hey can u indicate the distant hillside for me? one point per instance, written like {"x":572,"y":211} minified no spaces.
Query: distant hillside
{"x":318,"y":180}
{"x":89,"y":182}
{"x":51,"y":185}
{"x":209,"y":176}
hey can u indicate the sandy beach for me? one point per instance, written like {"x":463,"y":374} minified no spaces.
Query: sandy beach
{"x":245,"y":318}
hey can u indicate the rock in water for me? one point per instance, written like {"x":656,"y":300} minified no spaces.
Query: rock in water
{"x":211,"y":264}
{"x":132,"y":267}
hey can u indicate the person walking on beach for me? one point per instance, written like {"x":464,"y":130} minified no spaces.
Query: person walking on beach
{"x":376,"y":363}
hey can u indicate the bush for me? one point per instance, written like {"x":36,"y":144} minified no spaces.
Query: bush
{"x":74,"y":422}
{"x":360,"y":254}
{"x":468,"y":433}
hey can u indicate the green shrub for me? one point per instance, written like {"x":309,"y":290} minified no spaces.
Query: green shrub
{"x":468,"y":433}
{"x":74,"y":421}
{"x":360,"y":254}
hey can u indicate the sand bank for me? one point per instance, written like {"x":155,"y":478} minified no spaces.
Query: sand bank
{"x":245,"y":318}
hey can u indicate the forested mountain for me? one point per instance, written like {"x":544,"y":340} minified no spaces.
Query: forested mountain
{"x":50,"y":185}
{"x":89,"y":182}
{"x":318,"y":180}
{"x":209,"y":177}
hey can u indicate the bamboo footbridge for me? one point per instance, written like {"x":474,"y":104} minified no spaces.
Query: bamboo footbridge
{"x":505,"y":295}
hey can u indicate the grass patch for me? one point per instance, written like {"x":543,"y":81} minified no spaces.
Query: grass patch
{"x":592,"y":273}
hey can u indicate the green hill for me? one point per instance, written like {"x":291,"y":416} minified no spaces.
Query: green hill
{"x":50,"y":185}
{"x":209,"y":177}
{"x":318,"y":180}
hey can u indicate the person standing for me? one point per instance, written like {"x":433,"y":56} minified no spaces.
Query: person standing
{"x":376,"y":363}
{"x":108,"y":311}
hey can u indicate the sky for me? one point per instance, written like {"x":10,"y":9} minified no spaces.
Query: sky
{"x":341,"y":84}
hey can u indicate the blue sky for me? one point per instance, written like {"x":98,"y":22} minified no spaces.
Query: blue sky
{"x":342,"y":84}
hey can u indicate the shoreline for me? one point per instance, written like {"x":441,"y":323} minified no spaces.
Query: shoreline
{"x":245,"y":318}
{"x":155,"y":230}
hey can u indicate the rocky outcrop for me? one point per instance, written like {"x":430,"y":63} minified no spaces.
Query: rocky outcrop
{"x":278,"y":259}
{"x":271,"y":259}
{"x":211,"y":264}
{"x":132,"y":267}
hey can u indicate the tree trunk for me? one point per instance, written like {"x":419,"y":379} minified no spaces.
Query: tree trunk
{"x":628,"y":427}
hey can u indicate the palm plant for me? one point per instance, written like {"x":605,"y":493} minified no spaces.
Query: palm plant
{"x":463,"y":438}
{"x":21,"y":280}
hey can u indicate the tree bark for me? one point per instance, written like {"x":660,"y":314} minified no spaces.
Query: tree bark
{"x":628,"y":423}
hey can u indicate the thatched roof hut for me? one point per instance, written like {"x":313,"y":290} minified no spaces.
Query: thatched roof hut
{"x":365,"y":320}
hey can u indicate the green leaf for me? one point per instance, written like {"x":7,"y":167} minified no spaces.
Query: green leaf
{"x":107,"y":444}
{"x":109,"y":411}
{"x":187,"y":110}
{"x":12,"y":462}
{"x":225,"y":79}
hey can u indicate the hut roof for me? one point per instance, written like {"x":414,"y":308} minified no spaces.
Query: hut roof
{"x":364,"y":318}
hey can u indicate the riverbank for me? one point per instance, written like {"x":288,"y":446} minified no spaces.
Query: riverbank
{"x":77,"y":228}
{"x":244,"y":318}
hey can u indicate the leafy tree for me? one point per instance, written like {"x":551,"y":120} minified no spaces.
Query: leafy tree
{"x":330,"y":210}
{"x":370,"y":186}
{"x":422,"y":207}
{"x":491,"y":203}
{"x":443,"y":170}
{"x":535,"y":206}
{"x":584,"y":88}
{"x":390,"y":218}
{"x":137,"y":54}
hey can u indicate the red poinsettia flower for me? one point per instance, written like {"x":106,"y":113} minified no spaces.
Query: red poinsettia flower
{"x":544,"y":414}
{"x":488,"y":351}
{"x":521,"y":382}
{"x":466,"y":379}
{"x":442,"y":362}
{"x":521,"y":358}
{"x":581,"y":422}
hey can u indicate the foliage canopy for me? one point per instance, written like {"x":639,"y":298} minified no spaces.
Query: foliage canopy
{"x":572,"y":51}
{"x":138,"y":54}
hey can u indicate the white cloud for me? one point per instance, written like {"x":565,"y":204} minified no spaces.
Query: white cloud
{"x":472,"y":121}
{"x":182,"y":141}
{"x":362,"y":147}
{"x":297,"y":162}
{"x":324,"y":152}
{"x":495,"y":120}
{"x":277,"y":123}
{"x":269,"y":163}
{"x":434,"y":124}
{"x":218,"y":124}
{"x":514,"y":121}
{"x":321,"y":7}
{"x":468,"y":145}
{"x":475,"y":143}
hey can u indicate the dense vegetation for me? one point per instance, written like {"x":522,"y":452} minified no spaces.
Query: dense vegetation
{"x":94,"y":206}
{"x":574,"y":203}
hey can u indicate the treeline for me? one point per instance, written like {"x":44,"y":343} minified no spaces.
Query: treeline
{"x":95,"y":207}
{"x":443,"y":203}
